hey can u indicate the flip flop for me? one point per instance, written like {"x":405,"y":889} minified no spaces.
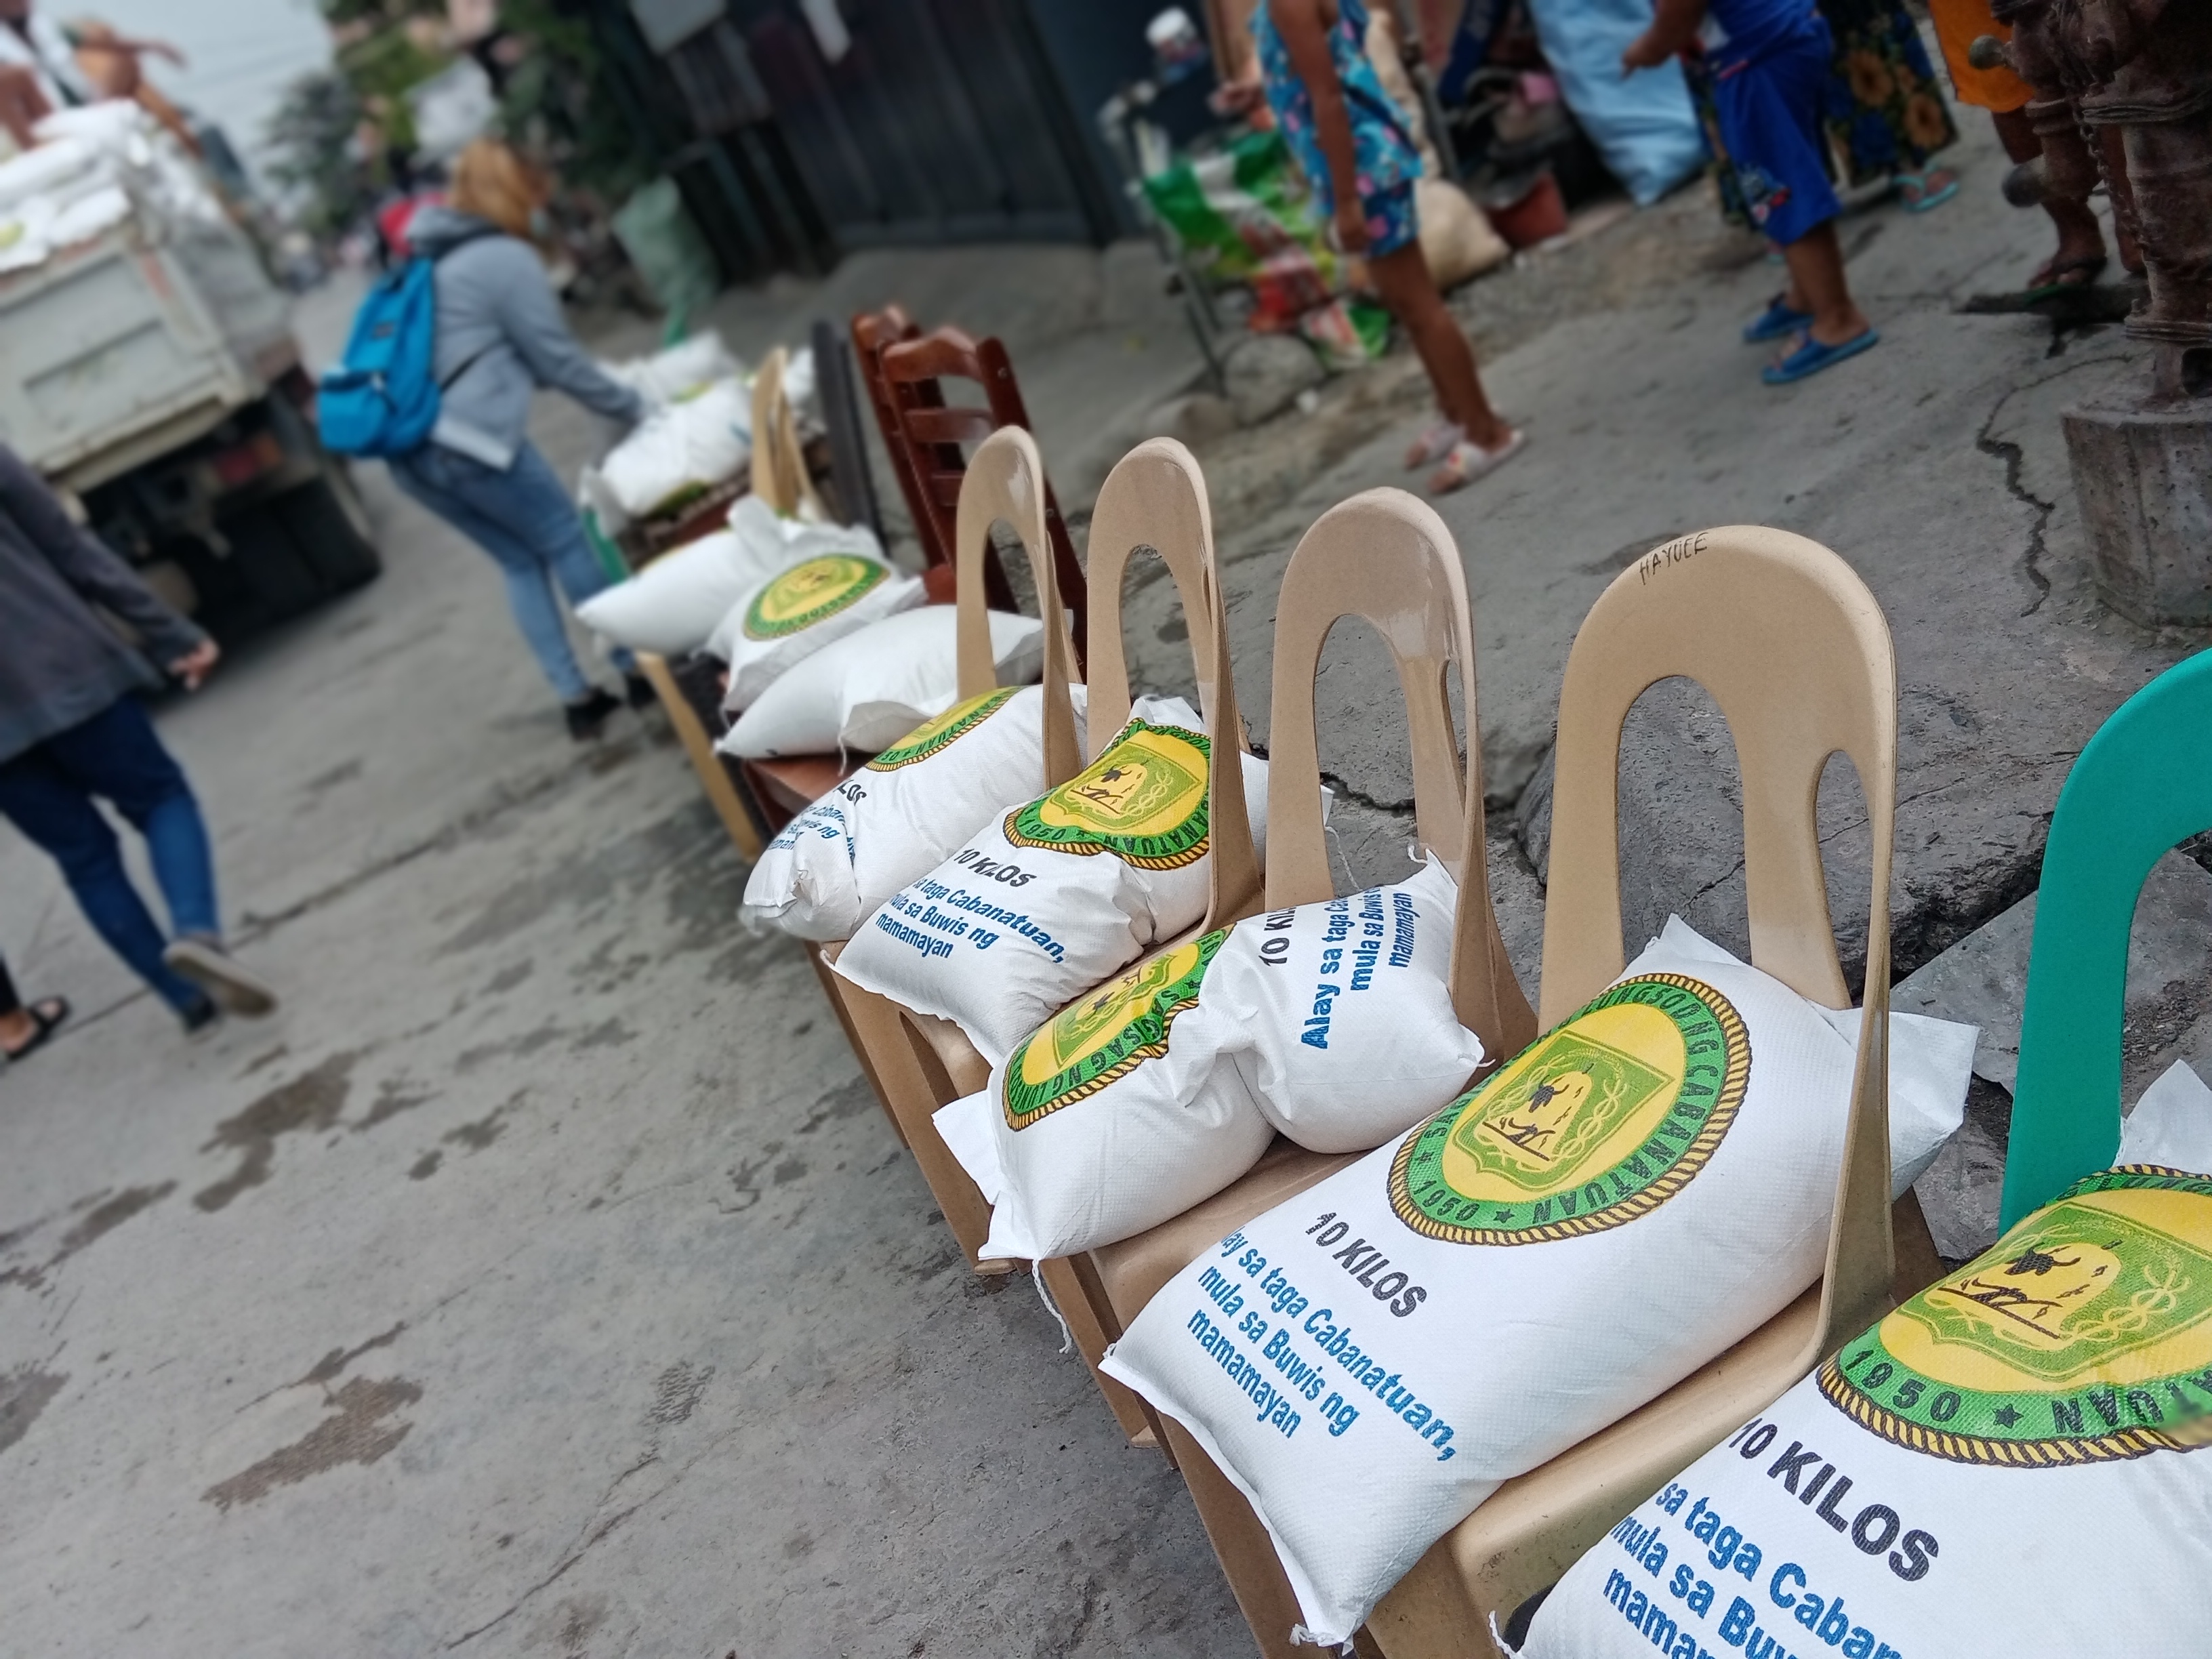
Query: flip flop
{"x":2050,"y":278}
{"x":45,"y":1023}
{"x":1437,"y":441}
{"x":1469,"y":460}
{"x":1776,"y":322}
{"x":1811,"y":357}
{"x":1914,"y":195}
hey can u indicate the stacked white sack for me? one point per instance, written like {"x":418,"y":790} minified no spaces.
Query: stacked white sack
{"x":1331,"y":1022}
{"x":1053,"y":899}
{"x":902,"y":815}
{"x":866,"y":692}
{"x":1630,"y":1195}
{"x":1930,"y":1490}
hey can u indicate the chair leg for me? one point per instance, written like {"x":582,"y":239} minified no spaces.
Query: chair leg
{"x":1091,"y":1339}
{"x":833,"y":987}
{"x":878,"y":1027}
{"x":1241,"y":1544}
{"x":699,"y":749}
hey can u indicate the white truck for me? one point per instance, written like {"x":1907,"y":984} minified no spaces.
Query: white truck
{"x":149,"y":367}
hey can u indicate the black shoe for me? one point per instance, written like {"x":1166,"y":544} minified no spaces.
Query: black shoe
{"x":200,"y":1017}
{"x":638,"y":692}
{"x":589,"y":714}
{"x":234,"y":990}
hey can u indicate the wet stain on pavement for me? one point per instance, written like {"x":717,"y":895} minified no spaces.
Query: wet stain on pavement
{"x":529,"y":1043}
{"x":356,"y":1432}
{"x":848,"y":1099}
{"x":332,"y":1364}
{"x":262,"y":1062}
{"x":481,"y":1134}
{"x":312,"y":1100}
{"x":677,"y":1392}
{"x":106,"y":1216}
{"x":323,"y":782}
{"x":587,"y":880}
{"x":24,"y":1393}
{"x":510,"y":976}
{"x":426,"y":1166}
{"x":394,"y":1095}
{"x":607,"y":1034}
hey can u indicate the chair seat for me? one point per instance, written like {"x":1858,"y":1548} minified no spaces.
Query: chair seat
{"x":1134,"y":1270}
{"x":796,"y":782}
{"x":1538,"y":1525}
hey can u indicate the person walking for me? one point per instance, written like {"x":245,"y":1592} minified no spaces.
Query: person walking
{"x":1770,"y":60}
{"x":1356,"y":150}
{"x":72,"y":731}
{"x":23,"y":1029}
{"x":500,"y":336}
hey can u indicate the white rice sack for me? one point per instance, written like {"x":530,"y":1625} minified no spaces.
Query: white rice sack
{"x":1114,"y":1116}
{"x":1056,"y":897}
{"x":60,"y":170}
{"x":2171,"y":1124}
{"x":681,"y":450}
{"x":794,"y":613}
{"x":2004,"y":1466}
{"x":88,"y":215}
{"x":1347,"y":1034}
{"x":1633,"y":1193}
{"x":902,"y":815}
{"x":682,"y":370}
{"x":672,"y":605}
{"x":867,"y":690}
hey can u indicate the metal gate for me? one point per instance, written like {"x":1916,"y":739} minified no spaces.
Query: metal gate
{"x":813,"y":127}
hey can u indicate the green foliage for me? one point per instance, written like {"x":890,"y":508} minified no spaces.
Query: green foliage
{"x":311,"y":137}
{"x":558,"y":103}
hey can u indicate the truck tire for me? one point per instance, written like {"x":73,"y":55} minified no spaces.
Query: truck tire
{"x":325,"y":522}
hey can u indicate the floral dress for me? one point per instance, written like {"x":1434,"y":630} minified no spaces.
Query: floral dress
{"x":1886,"y":112}
{"x":1383,"y":149}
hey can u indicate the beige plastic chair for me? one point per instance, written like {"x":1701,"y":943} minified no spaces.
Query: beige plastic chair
{"x":1153,"y":500}
{"x":780,"y":474}
{"x":1386,"y":557}
{"x":1795,"y":652}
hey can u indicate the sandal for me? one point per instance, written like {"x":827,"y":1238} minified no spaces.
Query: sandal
{"x":1435,"y":441}
{"x":46,"y":1017}
{"x":2053,"y":276}
{"x":1777,"y":320}
{"x":1470,"y":460}
{"x":1810,"y":358}
{"x":1919,"y":192}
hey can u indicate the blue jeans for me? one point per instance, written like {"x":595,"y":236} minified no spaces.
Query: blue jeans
{"x":47,"y":793}
{"x":525,"y":521}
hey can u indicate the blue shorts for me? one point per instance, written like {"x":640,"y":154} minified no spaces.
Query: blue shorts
{"x":1769,"y":110}
{"x":1391,"y":221}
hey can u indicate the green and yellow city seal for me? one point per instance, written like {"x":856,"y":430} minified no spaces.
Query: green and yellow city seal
{"x":1143,"y":800}
{"x":1086,"y":1046}
{"x":807,"y":593}
{"x":933,"y":737}
{"x":1601,"y":1121}
{"x":2085,"y":1335}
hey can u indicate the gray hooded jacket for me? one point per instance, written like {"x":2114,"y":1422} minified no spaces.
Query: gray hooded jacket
{"x":60,"y":664}
{"x":500,"y":336}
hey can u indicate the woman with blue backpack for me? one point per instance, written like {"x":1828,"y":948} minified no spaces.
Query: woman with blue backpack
{"x":453,"y":430}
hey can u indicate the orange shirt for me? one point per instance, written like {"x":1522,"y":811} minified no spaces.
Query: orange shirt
{"x":1957,"y":22}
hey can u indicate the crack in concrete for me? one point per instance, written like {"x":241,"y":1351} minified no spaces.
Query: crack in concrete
{"x":2015,"y":460}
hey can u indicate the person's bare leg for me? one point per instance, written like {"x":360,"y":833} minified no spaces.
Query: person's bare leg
{"x":1817,"y":286}
{"x":1403,"y":283}
{"x":2080,"y":236}
{"x":17,"y":1028}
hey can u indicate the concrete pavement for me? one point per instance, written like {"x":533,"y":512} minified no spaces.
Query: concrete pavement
{"x":543,"y":1279}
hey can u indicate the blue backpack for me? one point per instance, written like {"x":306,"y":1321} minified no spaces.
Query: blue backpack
{"x":383,"y":399}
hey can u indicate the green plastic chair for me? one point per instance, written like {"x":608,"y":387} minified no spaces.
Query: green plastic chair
{"x":2142,"y":785}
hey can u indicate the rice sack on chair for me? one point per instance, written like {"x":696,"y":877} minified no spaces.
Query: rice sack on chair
{"x":2011,"y":1463}
{"x":902,"y":815}
{"x":1048,"y":901}
{"x":1331,"y":1022}
{"x":865,"y":692}
{"x":794,"y":613}
{"x":1625,"y":1198}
